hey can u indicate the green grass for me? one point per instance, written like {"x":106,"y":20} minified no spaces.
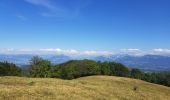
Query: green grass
{"x":86,"y":88}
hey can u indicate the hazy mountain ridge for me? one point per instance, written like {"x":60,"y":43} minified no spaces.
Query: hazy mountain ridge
{"x":24,"y":59}
{"x":146,"y":62}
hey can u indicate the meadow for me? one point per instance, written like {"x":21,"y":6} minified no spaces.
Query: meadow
{"x":84,"y":88}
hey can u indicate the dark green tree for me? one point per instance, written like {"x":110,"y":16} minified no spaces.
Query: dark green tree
{"x":137,"y":74}
{"x":121,"y":70}
{"x":105,"y":68}
{"x":9,"y":69}
{"x":40,"y":67}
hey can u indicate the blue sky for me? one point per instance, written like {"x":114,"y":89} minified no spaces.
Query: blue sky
{"x":85,"y":24}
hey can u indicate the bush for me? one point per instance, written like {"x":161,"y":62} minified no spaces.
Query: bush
{"x":135,"y":88}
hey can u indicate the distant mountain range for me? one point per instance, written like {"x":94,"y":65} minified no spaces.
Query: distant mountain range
{"x":146,"y":62}
{"x":24,"y":59}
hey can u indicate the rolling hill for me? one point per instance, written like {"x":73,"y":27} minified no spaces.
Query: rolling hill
{"x":85,"y":88}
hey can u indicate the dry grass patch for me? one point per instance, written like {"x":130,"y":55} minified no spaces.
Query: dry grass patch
{"x":86,"y":88}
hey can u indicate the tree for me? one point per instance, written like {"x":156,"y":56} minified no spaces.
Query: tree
{"x":112,"y":68}
{"x":147,"y":77}
{"x":105,"y":68}
{"x":136,"y":73}
{"x":40,"y":68}
{"x":35,"y":60}
{"x":9,"y":69}
{"x":121,"y":70}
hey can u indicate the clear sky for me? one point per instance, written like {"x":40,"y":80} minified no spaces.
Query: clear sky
{"x":85,"y":24}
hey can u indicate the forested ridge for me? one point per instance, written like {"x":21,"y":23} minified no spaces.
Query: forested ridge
{"x":41,"y":68}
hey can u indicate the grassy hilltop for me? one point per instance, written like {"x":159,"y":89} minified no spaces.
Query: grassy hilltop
{"x":86,"y":88}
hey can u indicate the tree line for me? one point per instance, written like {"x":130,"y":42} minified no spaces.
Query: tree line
{"x":72,"y":69}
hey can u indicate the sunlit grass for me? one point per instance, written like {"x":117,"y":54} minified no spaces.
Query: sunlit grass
{"x":86,"y":88}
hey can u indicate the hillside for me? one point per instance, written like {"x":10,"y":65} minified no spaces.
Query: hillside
{"x":86,"y":88}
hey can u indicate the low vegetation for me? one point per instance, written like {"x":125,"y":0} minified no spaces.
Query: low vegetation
{"x":9,"y":69}
{"x":84,"y":88}
{"x":40,"y":68}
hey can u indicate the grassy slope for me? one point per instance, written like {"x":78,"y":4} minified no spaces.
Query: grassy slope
{"x":87,"y":88}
